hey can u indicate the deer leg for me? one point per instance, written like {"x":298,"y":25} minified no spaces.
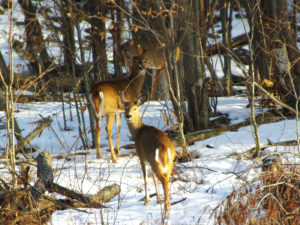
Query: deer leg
{"x":118,"y":124}
{"x":110,"y":120}
{"x":98,"y":127}
{"x":165,"y":184}
{"x":145,"y":174}
{"x":159,"y":199}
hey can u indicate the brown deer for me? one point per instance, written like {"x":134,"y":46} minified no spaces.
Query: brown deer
{"x":154,"y":55}
{"x":152,"y":146}
{"x":105,"y":100}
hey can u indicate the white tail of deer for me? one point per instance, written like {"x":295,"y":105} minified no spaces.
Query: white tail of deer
{"x":154,"y":55}
{"x":152,"y":146}
{"x":105,"y":100}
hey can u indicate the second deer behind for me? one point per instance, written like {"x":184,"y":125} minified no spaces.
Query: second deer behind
{"x":105,"y":100}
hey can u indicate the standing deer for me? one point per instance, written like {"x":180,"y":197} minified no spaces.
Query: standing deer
{"x":106,"y":101}
{"x":154,"y":56}
{"x":152,"y":146}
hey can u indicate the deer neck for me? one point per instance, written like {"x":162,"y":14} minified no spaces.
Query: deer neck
{"x":134,"y":125}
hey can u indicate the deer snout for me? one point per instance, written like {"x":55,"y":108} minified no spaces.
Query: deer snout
{"x":128,"y":116}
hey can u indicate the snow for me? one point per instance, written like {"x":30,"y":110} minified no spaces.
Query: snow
{"x":204,"y":182}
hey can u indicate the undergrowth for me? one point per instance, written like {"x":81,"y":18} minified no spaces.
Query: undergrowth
{"x":18,"y":207}
{"x":272,"y":198}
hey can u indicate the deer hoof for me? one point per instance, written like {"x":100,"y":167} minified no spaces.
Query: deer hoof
{"x":160,"y":200}
{"x":146,"y":202}
{"x":114,"y":160}
{"x":98,"y":155}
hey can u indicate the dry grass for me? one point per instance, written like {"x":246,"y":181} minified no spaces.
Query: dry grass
{"x":273,"y":198}
{"x":18,"y":207}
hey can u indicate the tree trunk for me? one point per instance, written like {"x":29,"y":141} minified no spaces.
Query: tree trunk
{"x":226,"y":35}
{"x":117,"y":32}
{"x":293,"y":54}
{"x":194,"y":45}
{"x":4,"y":71}
{"x":35,"y":46}
{"x":87,"y":85}
{"x":276,"y":56}
{"x":98,"y":33}
{"x":68,"y":37}
{"x":41,"y":125}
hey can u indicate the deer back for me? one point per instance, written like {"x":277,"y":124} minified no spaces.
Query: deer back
{"x":153,"y":146}
{"x":153,"y":57}
{"x":130,"y":86}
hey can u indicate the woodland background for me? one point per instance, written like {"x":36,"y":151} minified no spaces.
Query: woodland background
{"x":69,"y":46}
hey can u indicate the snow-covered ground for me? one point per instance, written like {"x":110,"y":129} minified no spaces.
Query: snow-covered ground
{"x":204,"y":181}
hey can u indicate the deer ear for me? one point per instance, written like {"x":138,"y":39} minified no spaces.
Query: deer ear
{"x":141,"y":100}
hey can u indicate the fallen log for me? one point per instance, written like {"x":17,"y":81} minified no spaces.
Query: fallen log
{"x":220,"y":48}
{"x":45,"y":182}
{"x":41,"y":125}
{"x":29,"y":205}
{"x":128,"y":154}
{"x":265,"y":118}
{"x":204,"y":134}
{"x":23,"y":141}
{"x":251,"y":153}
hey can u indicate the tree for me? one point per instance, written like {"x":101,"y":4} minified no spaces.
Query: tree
{"x":197,"y":20}
{"x":36,"y":51}
{"x":97,"y":14}
{"x":226,"y":18}
{"x":276,"y":56}
{"x":67,"y":25}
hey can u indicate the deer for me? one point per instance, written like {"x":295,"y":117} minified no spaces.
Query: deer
{"x":152,"y":146}
{"x":154,"y":55}
{"x":105,"y":100}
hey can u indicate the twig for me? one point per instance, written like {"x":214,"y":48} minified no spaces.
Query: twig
{"x":176,"y":202}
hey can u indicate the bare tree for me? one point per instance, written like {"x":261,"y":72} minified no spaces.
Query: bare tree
{"x":36,"y":51}
{"x":97,"y":18}
{"x":226,"y":18}
{"x":198,"y":18}
{"x":276,"y":56}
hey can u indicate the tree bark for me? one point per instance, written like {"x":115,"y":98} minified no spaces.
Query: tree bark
{"x":44,"y":123}
{"x":35,"y":46}
{"x":276,"y":56}
{"x":226,"y":35}
{"x":4,"y":71}
{"x":98,"y":32}
{"x":236,"y":42}
{"x":87,"y":85}
{"x":194,"y":63}
{"x":68,"y":36}
{"x":117,"y":32}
